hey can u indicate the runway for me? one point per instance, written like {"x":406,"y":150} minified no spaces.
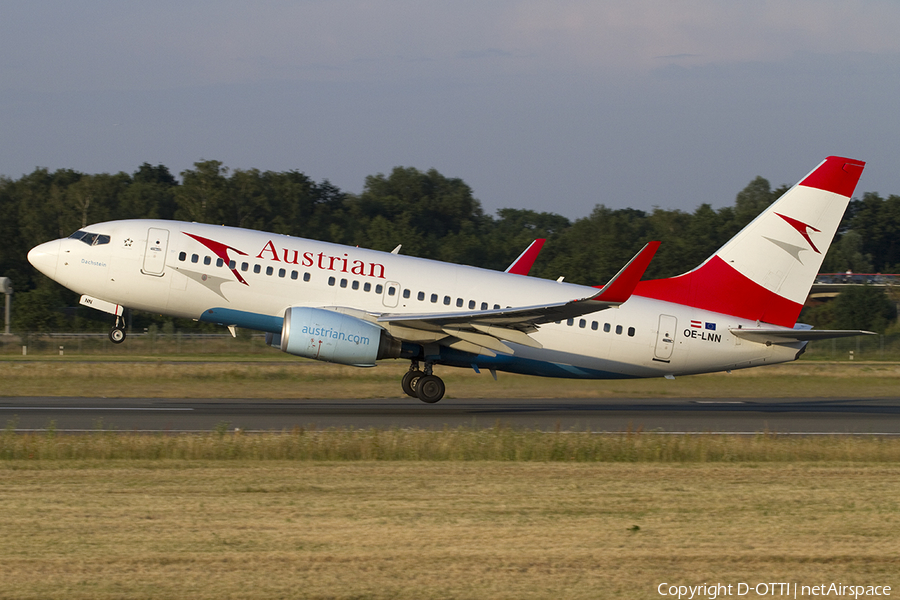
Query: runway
{"x":746,"y":415}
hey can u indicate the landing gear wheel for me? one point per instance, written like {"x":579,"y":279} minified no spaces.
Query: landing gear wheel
{"x":116,"y":335}
{"x":409,"y":381}
{"x":430,"y":388}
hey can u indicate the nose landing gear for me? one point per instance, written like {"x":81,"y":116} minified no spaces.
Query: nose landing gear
{"x":423,"y":385}
{"x":117,"y":333}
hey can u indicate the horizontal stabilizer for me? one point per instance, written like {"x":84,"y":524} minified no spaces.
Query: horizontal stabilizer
{"x":791,"y":336}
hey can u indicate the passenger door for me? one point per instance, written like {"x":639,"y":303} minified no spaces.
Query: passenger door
{"x":155,"y":253}
{"x":665,"y":338}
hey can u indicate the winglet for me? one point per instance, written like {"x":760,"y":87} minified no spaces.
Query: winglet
{"x":523,"y":264}
{"x":620,"y":287}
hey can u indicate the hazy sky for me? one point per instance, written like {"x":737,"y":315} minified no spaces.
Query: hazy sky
{"x":552,"y":106}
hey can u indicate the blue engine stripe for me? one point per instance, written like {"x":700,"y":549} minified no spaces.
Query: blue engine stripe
{"x":240,"y":318}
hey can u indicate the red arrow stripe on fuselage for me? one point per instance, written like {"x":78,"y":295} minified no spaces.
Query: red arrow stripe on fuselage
{"x":220,"y":250}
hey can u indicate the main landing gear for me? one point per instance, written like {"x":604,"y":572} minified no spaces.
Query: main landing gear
{"x":117,"y":333}
{"x":423,"y":385}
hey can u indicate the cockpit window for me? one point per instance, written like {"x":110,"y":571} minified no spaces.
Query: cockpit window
{"x":91,"y":239}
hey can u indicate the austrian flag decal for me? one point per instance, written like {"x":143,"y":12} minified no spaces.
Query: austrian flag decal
{"x":703,"y":330}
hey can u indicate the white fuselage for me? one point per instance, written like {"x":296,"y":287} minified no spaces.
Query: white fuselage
{"x":161,"y":268}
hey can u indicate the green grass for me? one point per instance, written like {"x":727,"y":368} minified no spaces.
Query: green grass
{"x":461,"y":444}
{"x":173,"y":529}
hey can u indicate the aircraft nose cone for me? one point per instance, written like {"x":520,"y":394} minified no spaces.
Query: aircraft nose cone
{"x":45,"y":257}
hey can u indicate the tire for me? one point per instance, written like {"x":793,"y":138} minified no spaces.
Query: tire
{"x":430,"y":389}
{"x":116,"y":335}
{"x":408,"y":383}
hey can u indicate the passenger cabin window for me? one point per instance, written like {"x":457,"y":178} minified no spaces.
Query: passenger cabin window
{"x":459,"y":302}
{"x":421,"y":296}
{"x":606,"y":328}
{"x":269,"y":270}
{"x":219,"y":262}
{"x":446,"y":300}
{"x":484,"y":306}
{"x":306,"y":277}
{"x":355,"y":285}
{"x":379,"y":288}
{"x":282,"y":272}
{"x":618,"y":329}
{"x":207,"y":260}
{"x":570,"y":322}
{"x":194,"y":258}
{"x":406,"y":293}
{"x":496,"y":307}
{"x":257,"y":268}
{"x":231,"y":264}
{"x":294,"y":275}
{"x":331,"y":280}
{"x":343,"y":283}
{"x":367,"y":287}
{"x":391,"y":290}
{"x":471,"y":304}
{"x":434,"y":298}
{"x":182,"y":256}
{"x":244,"y":266}
{"x":582,"y":323}
{"x":594,"y":325}
{"x":631,"y":332}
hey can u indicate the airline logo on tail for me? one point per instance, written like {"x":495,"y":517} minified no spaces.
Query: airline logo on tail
{"x":803,"y":229}
{"x":751,"y":279}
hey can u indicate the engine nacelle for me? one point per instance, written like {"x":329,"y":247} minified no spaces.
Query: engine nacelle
{"x":335,"y":337}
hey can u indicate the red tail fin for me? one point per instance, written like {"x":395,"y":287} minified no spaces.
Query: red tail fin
{"x":764,"y":273}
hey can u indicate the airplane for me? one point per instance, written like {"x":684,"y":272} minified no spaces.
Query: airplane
{"x":355,"y":306}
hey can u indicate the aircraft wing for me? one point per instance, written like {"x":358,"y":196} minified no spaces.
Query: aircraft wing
{"x":481,"y":331}
{"x":791,"y":336}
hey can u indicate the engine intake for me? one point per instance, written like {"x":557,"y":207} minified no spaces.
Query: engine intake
{"x":334,"y":337}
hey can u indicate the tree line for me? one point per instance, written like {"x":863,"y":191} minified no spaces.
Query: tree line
{"x":432,"y":215}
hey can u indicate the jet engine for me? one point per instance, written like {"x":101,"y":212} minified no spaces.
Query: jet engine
{"x":335,"y":337}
